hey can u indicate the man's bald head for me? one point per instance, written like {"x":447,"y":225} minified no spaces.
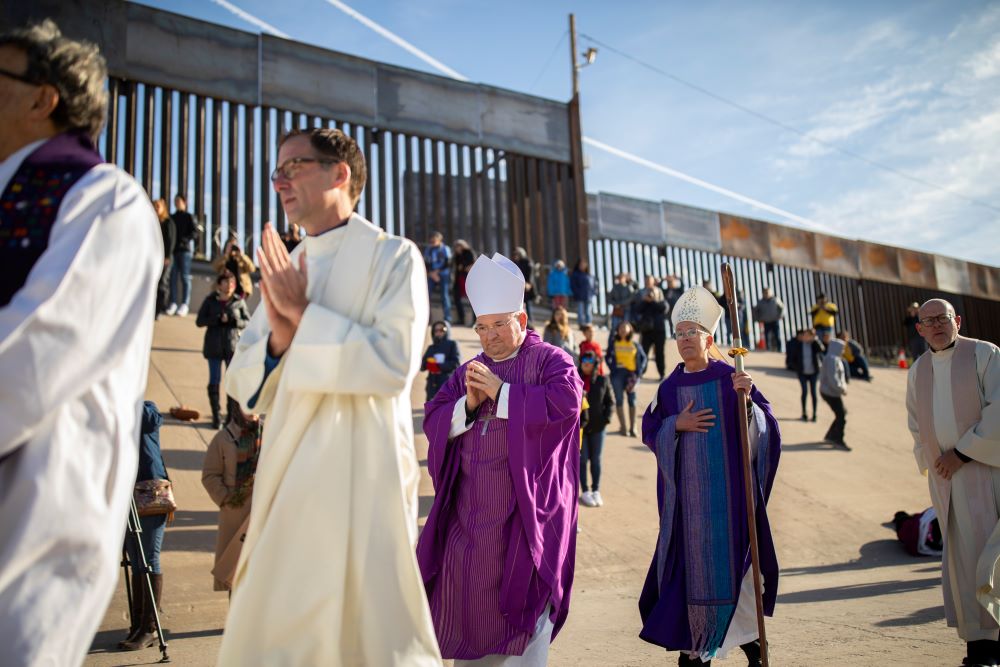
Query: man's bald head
{"x":938,"y":323}
{"x":933,"y":306}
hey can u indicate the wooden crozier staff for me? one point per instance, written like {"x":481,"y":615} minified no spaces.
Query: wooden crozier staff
{"x":738,"y":352}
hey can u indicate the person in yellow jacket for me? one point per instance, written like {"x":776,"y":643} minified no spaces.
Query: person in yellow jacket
{"x":824,"y":314}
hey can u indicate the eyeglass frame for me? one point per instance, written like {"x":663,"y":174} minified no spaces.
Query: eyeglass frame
{"x":279,"y":171}
{"x":485,"y":330}
{"x":936,"y":319}
{"x":691,"y":334}
{"x":23,"y":78}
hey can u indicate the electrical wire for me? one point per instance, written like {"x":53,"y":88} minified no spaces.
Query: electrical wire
{"x":789,"y":128}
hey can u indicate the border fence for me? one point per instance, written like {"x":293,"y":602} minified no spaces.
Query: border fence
{"x":872,"y":284}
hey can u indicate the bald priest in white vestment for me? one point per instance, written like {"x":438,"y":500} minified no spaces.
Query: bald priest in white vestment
{"x":328,"y":575}
{"x":953,"y":401}
{"x":80,"y":256}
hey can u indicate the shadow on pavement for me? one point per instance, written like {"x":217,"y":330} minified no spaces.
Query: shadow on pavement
{"x":855,"y":591}
{"x":919,"y":617}
{"x":183,"y":459}
{"x":191,"y":519}
{"x":197,"y":539}
{"x":878,"y":553}
{"x":424,"y":506}
{"x":812,"y":446}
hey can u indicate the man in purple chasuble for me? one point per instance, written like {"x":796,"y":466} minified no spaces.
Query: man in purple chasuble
{"x":699,"y":595}
{"x":498,"y":549}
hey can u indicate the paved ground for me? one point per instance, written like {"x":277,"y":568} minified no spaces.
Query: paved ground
{"x":849,"y":595}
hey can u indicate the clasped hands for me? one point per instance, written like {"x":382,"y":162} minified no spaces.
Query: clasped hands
{"x":700,"y":421}
{"x":480,"y":384}
{"x":282,"y":288}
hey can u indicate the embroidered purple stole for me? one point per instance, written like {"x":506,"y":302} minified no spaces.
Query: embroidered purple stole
{"x":30,"y":203}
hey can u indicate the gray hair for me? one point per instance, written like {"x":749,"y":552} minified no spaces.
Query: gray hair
{"x":75,"y":69}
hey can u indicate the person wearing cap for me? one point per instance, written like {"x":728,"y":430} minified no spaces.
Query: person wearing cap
{"x":497,"y":552}
{"x":600,"y":404}
{"x":440,"y":359}
{"x":699,"y":594}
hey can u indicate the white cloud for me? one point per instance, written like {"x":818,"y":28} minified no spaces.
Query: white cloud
{"x":986,"y":63}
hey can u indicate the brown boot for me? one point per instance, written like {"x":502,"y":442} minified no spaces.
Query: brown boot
{"x":135,"y":609}
{"x":631,"y":421}
{"x":146,"y":636}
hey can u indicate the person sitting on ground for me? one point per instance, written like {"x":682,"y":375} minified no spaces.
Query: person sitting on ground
{"x":236,"y":262}
{"x":597,"y":397}
{"x":440,"y":359}
{"x":919,"y":533}
{"x":854,"y":355}
{"x":558,"y":333}
{"x":833,"y":388}
{"x":227,"y":474}
{"x":627,"y":361}
{"x":224,"y":315}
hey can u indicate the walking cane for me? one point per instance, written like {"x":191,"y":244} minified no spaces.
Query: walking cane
{"x":738,"y":352}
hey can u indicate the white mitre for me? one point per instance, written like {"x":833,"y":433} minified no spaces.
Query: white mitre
{"x":495,"y":286}
{"x":697,"y":305}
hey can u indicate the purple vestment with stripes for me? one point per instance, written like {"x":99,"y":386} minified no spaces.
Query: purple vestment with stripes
{"x":500,"y":540}
{"x":703,"y":548}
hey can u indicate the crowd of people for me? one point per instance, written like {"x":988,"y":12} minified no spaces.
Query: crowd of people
{"x":515,"y":434}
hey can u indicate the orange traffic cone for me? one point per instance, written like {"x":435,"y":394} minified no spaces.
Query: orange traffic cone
{"x":902,"y":359}
{"x":761,"y":343}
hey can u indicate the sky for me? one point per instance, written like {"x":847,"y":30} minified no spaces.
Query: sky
{"x":873,"y":120}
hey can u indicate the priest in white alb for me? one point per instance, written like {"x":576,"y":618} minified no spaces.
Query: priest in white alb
{"x":953,"y":403}
{"x":328,"y":575}
{"x":80,"y":256}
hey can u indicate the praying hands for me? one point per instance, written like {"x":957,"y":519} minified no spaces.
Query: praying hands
{"x":480,"y":384}
{"x":282,"y":288}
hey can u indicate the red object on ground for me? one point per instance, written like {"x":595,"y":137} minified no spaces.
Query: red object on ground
{"x":902,"y":359}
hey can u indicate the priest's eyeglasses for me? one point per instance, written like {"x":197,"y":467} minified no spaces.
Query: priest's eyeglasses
{"x":484,"y":330}
{"x":691,"y":333}
{"x":293,"y":166}
{"x":936,"y":319}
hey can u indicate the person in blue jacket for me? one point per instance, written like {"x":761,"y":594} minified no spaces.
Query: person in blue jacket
{"x":142,"y":632}
{"x":558,"y":285}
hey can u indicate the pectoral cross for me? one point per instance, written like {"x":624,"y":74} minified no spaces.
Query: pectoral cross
{"x":486,"y":421}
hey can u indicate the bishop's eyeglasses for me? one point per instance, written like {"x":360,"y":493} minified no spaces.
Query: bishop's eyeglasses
{"x":690,"y":333}
{"x":484,"y":330}
{"x":936,"y":319}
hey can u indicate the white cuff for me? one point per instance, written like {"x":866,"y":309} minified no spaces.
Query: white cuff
{"x":458,"y":416}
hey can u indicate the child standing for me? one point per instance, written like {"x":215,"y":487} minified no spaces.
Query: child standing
{"x":224,"y":315}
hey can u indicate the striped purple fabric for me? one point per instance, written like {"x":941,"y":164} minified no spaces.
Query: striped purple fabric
{"x":486,"y":527}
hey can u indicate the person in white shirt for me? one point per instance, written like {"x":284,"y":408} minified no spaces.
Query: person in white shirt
{"x":80,"y":258}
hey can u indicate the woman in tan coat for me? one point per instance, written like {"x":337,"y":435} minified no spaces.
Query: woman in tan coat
{"x":227,"y":475}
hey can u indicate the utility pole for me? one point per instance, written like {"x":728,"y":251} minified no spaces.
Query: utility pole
{"x":576,"y":148}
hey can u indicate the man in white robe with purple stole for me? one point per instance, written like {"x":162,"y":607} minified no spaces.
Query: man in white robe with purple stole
{"x":953,"y":403}
{"x":497,"y":552}
{"x":80,"y":257}
{"x":327,"y":575}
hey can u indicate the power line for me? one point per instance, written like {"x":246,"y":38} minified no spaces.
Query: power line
{"x":787,"y":127}
{"x":250,"y":18}
{"x":396,"y":39}
{"x":663,"y":169}
{"x":549,"y":60}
